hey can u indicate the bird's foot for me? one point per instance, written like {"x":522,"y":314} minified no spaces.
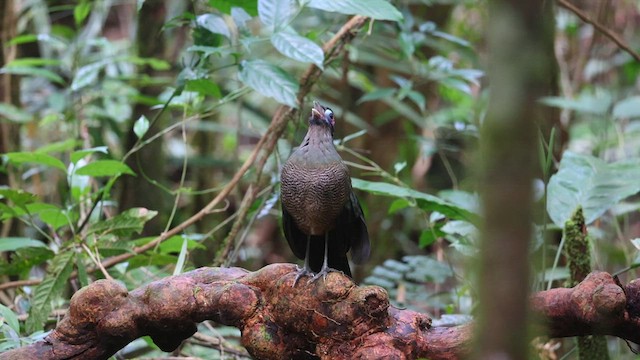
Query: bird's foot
{"x":322,"y":274}
{"x":301,"y":272}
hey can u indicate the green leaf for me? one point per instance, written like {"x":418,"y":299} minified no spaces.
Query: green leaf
{"x":298,"y":48}
{"x":182,"y":256}
{"x":427,"y":237}
{"x":590,"y":104}
{"x":33,"y":62}
{"x":123,"y":224}
{"x":591,"y":183}
{"x":59,"y":146}
{"x":397,"y":205}
{"x":51,"y":287}
{"x":270,"y":80}
{"x":49,"y":214}
{"x":77,"y":155}
{"x":377,"y":94}
{"x":204,"y":86}
{"x":627,"y":108}
{"x":81,"y":11}
{"x":174,"y":244}
{"x":275,"y":13}
{"x":214,"y":23}
{"x":33,"y":71}
{"x":15,"y":243}
{"x":18,"y":197}
{"x":105,"y":168}
{"x":23,"y":39}
{"x":82,"y":271}
{"x":19,"y":158}
{"x":24,"y":259}
{"x":375,"y":9}
{"x":225,"y":6}
{"x":424,"y":201}
{"x":10,"y":318}
{"x":14,"y":113}
{"x":87,"y":75}
{"x":141,"y":126}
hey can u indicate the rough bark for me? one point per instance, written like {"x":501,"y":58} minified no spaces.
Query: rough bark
{"x":330,"y":319}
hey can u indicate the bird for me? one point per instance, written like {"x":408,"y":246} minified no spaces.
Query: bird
{"x":321,"y":216}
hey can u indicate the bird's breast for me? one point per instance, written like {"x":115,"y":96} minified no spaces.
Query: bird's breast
{"x":314,"y":193}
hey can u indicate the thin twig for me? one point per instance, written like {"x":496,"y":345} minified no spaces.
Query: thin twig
{"x":19,"y":283}
{"x":606,"y":32}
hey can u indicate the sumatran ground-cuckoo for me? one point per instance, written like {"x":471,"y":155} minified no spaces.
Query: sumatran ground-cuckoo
{"x":321,"y":216}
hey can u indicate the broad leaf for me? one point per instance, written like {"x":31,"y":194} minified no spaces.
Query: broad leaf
{"x":214,"y":23}
{"x":298,"y":48}
{"x":104,"y":168}
{"x":275,"y":13}
{"x":36,"y":158}
{"x":627,"y":108}
{"x":18,"y":197}
{"x":424,"y":201}
{"x":590,"y":104}
{"x":13,"y":113}
{"x":10,"y":318}
{"x":375,"y":9}
{"x":87,"y":75}
{"x":24,"y":259}
{"x":50,"y":214}
{"x":591,"y":183}
{"x":141,"y":126}
{"x":51,"y":286}
{"x":270,"y":80}
{"x":204,"y":87}
{"x":33,"y":71}
{"x":77,"y":155}
{"x":123,"y":224}
{"x":225,"y":6}
{"x":15,"y":243}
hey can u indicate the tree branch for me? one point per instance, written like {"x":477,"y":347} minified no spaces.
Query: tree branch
{"x":606,"y":32}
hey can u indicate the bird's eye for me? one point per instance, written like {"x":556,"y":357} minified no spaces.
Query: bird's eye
{"x":328,"y":113}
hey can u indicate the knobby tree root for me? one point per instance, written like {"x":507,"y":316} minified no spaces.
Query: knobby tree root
{"x":326,"y":319}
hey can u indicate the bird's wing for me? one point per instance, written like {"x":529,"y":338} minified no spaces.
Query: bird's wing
{"x":360,"y":247}
{"x":295,"y":237}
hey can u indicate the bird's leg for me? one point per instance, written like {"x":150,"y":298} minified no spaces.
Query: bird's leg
{"x":306,"y":270}
{"x":325,"y":264}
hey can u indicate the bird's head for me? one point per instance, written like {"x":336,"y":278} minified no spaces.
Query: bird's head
{"x":322,"y":116}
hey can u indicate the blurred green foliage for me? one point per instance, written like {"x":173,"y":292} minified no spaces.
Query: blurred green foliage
{"x":409,"y":98}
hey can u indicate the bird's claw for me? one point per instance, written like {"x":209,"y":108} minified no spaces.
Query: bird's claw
{"x":301,"y":272}
{"x":322,"y":274}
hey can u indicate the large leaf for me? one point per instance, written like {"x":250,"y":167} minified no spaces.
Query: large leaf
{"x":586,"y":103}
{"x":298,"y":48}
{"x":105,"y":168}
{"x":269,"y":80}
{"x":225,"y":6}
{"x":124,"y":224}
{"x":627,"y":108}
{"x":51,"y":286}
{"x":14,"y":113}
{"x":275,"y":13}
{"x":15,"y":243}
{"x":591,"y":183}
{"x":375,"y":9}
{"x":37,"y":158}
{"x":32,"y":71}
{"x":214,"y":23}
{"x":424,"y":201}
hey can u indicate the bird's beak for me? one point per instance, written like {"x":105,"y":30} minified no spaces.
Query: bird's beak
{"x":317,"y":110}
